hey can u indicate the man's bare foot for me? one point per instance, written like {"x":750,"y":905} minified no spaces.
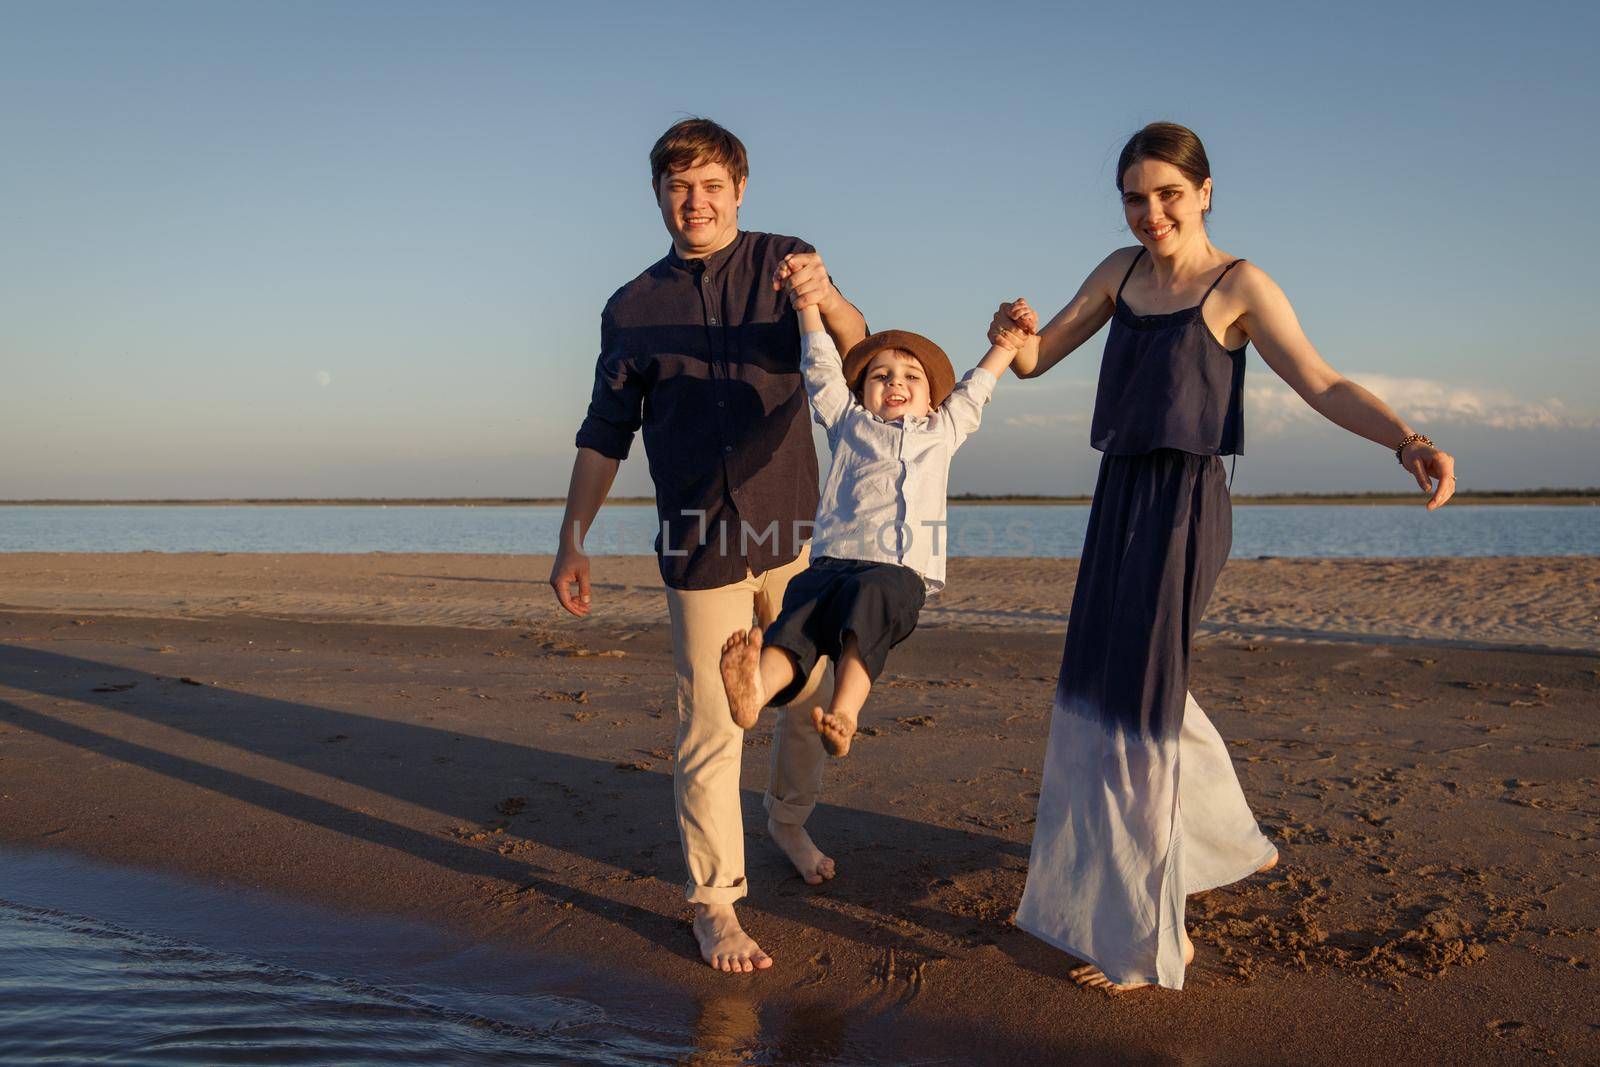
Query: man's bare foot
{"x":723,"y":942}
{"x":1267,"y":866}
{"x":837,"y":730}
{"x":1091,"y":977}
{"x":807,"y":858}
{"x":741,"y":676}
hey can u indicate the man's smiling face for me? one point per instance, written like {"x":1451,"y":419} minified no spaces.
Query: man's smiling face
{"x":700,"y":206}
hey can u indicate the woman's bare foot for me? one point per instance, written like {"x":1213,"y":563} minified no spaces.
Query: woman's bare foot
{"x":1091,"y":977}
{"x":741,"y":676}
{"x":807,"y":858}
{"x":837,"y":730}
{"x":723,"y":942}
{"x":1267,"y":866}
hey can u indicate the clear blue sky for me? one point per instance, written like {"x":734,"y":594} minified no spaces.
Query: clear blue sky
{"x":360,"y":248}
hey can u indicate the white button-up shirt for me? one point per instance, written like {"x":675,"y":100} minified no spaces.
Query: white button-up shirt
{"x":884,"y":499}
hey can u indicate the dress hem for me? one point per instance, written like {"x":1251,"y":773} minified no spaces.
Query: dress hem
{"x":1271,"y":853}
{"x":1085,"y":957}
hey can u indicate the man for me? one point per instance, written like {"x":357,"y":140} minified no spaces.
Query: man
{"x":702,"y":351}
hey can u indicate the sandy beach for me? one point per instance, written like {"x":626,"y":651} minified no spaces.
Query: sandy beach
{"x":427,"y":737}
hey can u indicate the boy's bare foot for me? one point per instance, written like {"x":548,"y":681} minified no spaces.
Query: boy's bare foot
{"x":723,"y":942}
{"x":741,"y":676}
{"x":837,"y":730}
{"x":1091,"y":977}
{"x":807,"y":858}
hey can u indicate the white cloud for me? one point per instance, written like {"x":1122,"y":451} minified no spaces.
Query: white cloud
{"x":1273,"y":407}
{"x":1045,"y":420}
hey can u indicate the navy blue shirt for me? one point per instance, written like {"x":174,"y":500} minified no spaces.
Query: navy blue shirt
{"x":704,"y":356}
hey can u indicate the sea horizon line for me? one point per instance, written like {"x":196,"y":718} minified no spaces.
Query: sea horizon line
{"x":1543,"y":496}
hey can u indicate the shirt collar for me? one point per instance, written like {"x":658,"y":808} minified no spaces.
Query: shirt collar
{"x":917,"y":421}
{"x":710,"y":264}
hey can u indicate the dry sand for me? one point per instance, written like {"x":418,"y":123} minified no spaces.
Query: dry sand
{"x":425,"y":736}
{"x":1505,"y":603}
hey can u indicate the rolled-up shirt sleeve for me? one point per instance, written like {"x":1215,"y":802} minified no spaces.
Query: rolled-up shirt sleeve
{"x":616,"y":407}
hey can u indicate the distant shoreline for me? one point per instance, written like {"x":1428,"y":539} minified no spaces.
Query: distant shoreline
{"x":1564,"y":497}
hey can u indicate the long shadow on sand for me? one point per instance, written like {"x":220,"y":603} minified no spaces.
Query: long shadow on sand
{"x":574,"y":805}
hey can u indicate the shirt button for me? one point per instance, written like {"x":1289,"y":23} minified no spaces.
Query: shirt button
{"x":727,"y":448}
{"x":713,"y":320}
{"x":722,"y":403}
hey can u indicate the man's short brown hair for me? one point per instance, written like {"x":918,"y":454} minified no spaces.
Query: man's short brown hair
{"x":693,"y":142}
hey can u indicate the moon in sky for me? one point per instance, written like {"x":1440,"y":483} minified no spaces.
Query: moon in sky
{"x":324,"y":378}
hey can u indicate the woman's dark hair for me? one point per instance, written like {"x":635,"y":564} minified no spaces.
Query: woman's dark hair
{"x":1170,"y":143}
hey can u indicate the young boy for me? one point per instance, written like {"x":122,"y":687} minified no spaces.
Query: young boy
{"x":894,"y":416}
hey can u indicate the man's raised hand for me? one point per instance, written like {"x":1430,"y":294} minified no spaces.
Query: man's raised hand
{"x":806,"y":277}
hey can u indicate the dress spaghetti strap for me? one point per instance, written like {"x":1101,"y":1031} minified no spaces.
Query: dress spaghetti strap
{"x":1224,"y":274}
{"x":1137,"y":256}
{"x":1214,"y":284}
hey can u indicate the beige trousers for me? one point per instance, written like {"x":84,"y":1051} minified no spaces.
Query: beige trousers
{"x":706,"y":778}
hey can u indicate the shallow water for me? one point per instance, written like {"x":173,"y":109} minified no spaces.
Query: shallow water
{"x":113,"y":966}
{"x":1047,"y":530}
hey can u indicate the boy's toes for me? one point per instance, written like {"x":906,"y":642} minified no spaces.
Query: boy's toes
{"x":836,"y":731}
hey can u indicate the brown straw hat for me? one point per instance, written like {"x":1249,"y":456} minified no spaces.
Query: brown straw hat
{"x":935,"y":364}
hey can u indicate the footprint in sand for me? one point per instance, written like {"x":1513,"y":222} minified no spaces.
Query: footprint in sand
{"x":823,"y":962}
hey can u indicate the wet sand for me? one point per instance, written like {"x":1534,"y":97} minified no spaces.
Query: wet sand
{"x":425,"y":737}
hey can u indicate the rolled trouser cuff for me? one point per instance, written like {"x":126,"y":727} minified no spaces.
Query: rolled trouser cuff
{"x":790,"y":812}
{"x":716,"y":894}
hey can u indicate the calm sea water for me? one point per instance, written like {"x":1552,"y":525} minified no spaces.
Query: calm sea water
{"x":112,"y":966}
{"x":975,"y":530}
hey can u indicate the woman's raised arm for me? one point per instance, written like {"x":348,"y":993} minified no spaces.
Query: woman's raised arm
{"x":1074,"y":324}
{"x":1269,"y":321}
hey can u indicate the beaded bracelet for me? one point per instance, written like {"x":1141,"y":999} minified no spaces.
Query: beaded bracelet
{"x":1411,"y":439}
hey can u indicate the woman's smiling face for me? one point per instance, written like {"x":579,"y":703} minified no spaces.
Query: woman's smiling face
{"x":894,"y":385}
{"x":1164,"y":209}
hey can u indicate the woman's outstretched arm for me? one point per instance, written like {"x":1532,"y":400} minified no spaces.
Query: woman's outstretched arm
{"x":1268,"y":319}
{"x":1074,"y":324}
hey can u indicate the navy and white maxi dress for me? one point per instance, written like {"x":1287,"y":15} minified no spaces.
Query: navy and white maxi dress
{"x":1139,"y":804}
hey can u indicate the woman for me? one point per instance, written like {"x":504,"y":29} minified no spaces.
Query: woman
{"x":1140,"y":805}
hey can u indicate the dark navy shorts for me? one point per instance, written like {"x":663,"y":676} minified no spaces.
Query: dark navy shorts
{"x":878,"y":602}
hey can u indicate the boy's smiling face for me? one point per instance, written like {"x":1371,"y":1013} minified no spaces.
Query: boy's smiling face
{"x":894,"y":385}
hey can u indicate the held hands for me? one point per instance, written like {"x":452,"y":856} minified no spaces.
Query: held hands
{"x":806,"y":277}
{"x":1013,"y":325}
{"x":571,"y":568}
{"x":1426,"y":462}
